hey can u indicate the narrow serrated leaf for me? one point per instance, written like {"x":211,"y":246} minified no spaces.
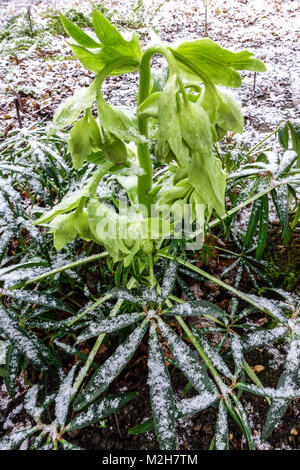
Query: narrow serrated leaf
{"x":196,"y":308}
{"x":100,"y":410}
{"x":253,"y":222}
{"x":12,"y":366}
{"x":13,"y":440}
{"x":282,"y":392}
{"x":63,"y":398}
{"x":187,"y":361}
{"x":237,"y":354}
{"x":183,"y":408}
{"x":33,"y":350}
{"x":111,"y":368}
{"x":221,"y":435}
{"x":169,"y":280}
{"x":161,"y":394}
{"x":108,"y":325}
{"x":289,"y":379}
{"x":212,"y":353}
{"x":262,"y":337}
{"x":38,"y":298}
{"x":30,"y":402}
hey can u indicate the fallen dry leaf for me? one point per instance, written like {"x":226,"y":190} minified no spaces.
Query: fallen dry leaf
{"x":258,"y":368}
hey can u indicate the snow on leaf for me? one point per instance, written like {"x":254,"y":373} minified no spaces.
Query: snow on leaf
{"x":108,"y":325}
{"x":111,"y":368}
{"x":162,"y":401}
{"x":62,"y":400}
{"x":222,"y":427}
{"x":38,"y":298}
{"x":186,"y":360}
{"x":100,"y":410}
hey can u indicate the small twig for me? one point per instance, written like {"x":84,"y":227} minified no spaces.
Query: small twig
{"x":254,"y":82}
{"x":206,"y":4}
{"x":118,"y":427}
{"x":18,"y":112}
{"x":20,"y":104}
{"x":29,"y":20}
{"x":206,"y":27}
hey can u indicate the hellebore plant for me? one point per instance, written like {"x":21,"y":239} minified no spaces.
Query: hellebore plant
{"x":162,"y":157}
{"x":188,"y":114}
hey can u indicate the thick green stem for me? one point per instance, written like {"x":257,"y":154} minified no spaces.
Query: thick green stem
{"x":80,"y":262}
{"x":151,"y":272}
{"x":143,"y":152}
{"x":145,"y":180}
{"x":97,"y":177}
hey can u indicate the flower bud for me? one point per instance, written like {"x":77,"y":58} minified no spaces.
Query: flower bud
{"x":115,"y":150}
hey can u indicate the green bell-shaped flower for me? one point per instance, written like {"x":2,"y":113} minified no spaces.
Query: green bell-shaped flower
{"x":114,"y":149}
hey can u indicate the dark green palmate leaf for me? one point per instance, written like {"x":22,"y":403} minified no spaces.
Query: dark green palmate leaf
{"x":38,"y":298}
{"x":187,"y":361}
{"x":237,"y":354}
{"x":287,"y":392}
{"x":269,"y":306}
{"x":26,"y":343}
{"x":99,"y":410}
{"x":3,"y":372}
{"x":125,"y":294}
{"x":297,"y":217}
{"x":162,"y":401}
{"x":243,"y":421}
{"x":68,"y":446}
{"x":111,"y":368}
{"x":148,"y":295}
{"x":253,"y":222}
{"x":290,"y":131}
{"x":281,"y":202}
{"x":31,"y":398}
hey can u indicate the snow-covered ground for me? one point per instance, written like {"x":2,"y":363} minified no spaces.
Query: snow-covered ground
{"x":269,"y":28}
